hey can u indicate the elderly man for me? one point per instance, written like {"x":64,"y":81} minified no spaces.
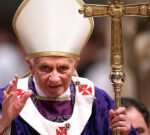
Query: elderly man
{"x":52,"y":101}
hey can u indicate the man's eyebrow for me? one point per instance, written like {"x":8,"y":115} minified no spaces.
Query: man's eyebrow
{"x":140,"y":129}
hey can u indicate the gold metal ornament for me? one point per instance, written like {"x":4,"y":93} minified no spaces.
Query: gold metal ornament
{"x":5,"y":94}
{"x":66,"y":127}
{"x":116,"y":10}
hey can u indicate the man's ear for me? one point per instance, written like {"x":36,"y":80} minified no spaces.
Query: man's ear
{"x":76,"y":62}
{"x":75,"y":66}
{"x":30,"y":65}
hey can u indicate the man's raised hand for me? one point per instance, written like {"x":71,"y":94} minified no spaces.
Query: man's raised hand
{"x":12,"y":105}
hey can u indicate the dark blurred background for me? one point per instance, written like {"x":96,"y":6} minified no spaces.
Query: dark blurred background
{"x":95,"y":59}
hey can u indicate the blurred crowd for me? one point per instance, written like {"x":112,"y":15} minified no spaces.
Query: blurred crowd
{"x":11,"y":57}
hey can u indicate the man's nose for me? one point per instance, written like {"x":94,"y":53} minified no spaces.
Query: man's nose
{"x":54,"y":76}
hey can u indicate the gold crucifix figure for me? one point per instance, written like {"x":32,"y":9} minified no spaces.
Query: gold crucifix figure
{"x":116,"y":10}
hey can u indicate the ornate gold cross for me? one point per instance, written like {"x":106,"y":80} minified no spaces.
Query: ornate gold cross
{"x":66,"y":127}
{"x":116,"y":10}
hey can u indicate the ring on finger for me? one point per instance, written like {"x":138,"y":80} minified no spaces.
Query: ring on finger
{"x":5,"y":94}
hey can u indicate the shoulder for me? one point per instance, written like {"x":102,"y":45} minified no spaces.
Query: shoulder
{"x":103,"y":99}
{"x":102,"y":95}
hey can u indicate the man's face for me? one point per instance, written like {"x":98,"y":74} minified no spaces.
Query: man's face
{"x":53,"y":74}
{"x":137,"y":121}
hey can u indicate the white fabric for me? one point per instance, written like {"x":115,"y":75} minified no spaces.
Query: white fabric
{"x":39,"y":92}
{"x":52,"y":25}
{"x":81,"y":113}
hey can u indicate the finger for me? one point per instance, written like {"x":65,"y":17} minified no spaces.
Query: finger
{"x":10,"y":87}
{"x":15,"y":80}
{"x":7,"y":98}
{"x":121,"y":110}
{"x":26,"y":95}
{"x":117,"y":115}
{"x":11,"y":98}
{"x":111,"y":114}
{"x":117,"y":118}
{"x":119,"y":124}
{"x":121,"y":129}
{"x":13,"y":84}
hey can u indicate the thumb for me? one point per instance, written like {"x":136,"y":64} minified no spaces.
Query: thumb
{"x":111,"y":113}
{"x":25,"y":96}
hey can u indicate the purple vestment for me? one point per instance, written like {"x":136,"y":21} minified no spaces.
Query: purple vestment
{"x":98,"y":123}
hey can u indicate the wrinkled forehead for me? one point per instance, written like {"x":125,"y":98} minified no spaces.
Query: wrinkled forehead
{"x":136,"y":117}
{"x":53,"y":59}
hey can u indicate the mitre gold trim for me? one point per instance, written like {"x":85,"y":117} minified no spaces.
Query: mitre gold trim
{"x":52,"y":53}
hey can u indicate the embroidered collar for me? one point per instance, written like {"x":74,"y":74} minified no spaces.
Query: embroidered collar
{"x":67,"y":102}
{"x":81,"y":112}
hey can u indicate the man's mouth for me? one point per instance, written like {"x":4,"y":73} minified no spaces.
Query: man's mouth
{"x":54,"y":86}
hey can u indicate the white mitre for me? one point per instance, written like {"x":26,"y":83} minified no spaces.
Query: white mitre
{"x":52,"y":27}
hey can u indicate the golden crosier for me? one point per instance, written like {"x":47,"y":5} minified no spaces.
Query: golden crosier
{"x":116,"y":10}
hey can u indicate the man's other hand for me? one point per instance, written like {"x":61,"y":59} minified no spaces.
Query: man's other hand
{"x":119,"y":121}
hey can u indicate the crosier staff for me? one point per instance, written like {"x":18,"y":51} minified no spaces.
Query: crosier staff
{"x":116,"y":10}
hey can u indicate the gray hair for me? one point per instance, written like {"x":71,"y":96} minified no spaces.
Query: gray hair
{"x":33,"y":59}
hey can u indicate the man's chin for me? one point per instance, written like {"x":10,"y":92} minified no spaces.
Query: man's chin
{"x":55,"y":91}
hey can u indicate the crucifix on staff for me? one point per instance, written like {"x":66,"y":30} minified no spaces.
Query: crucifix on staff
{"x":116,"y":10}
